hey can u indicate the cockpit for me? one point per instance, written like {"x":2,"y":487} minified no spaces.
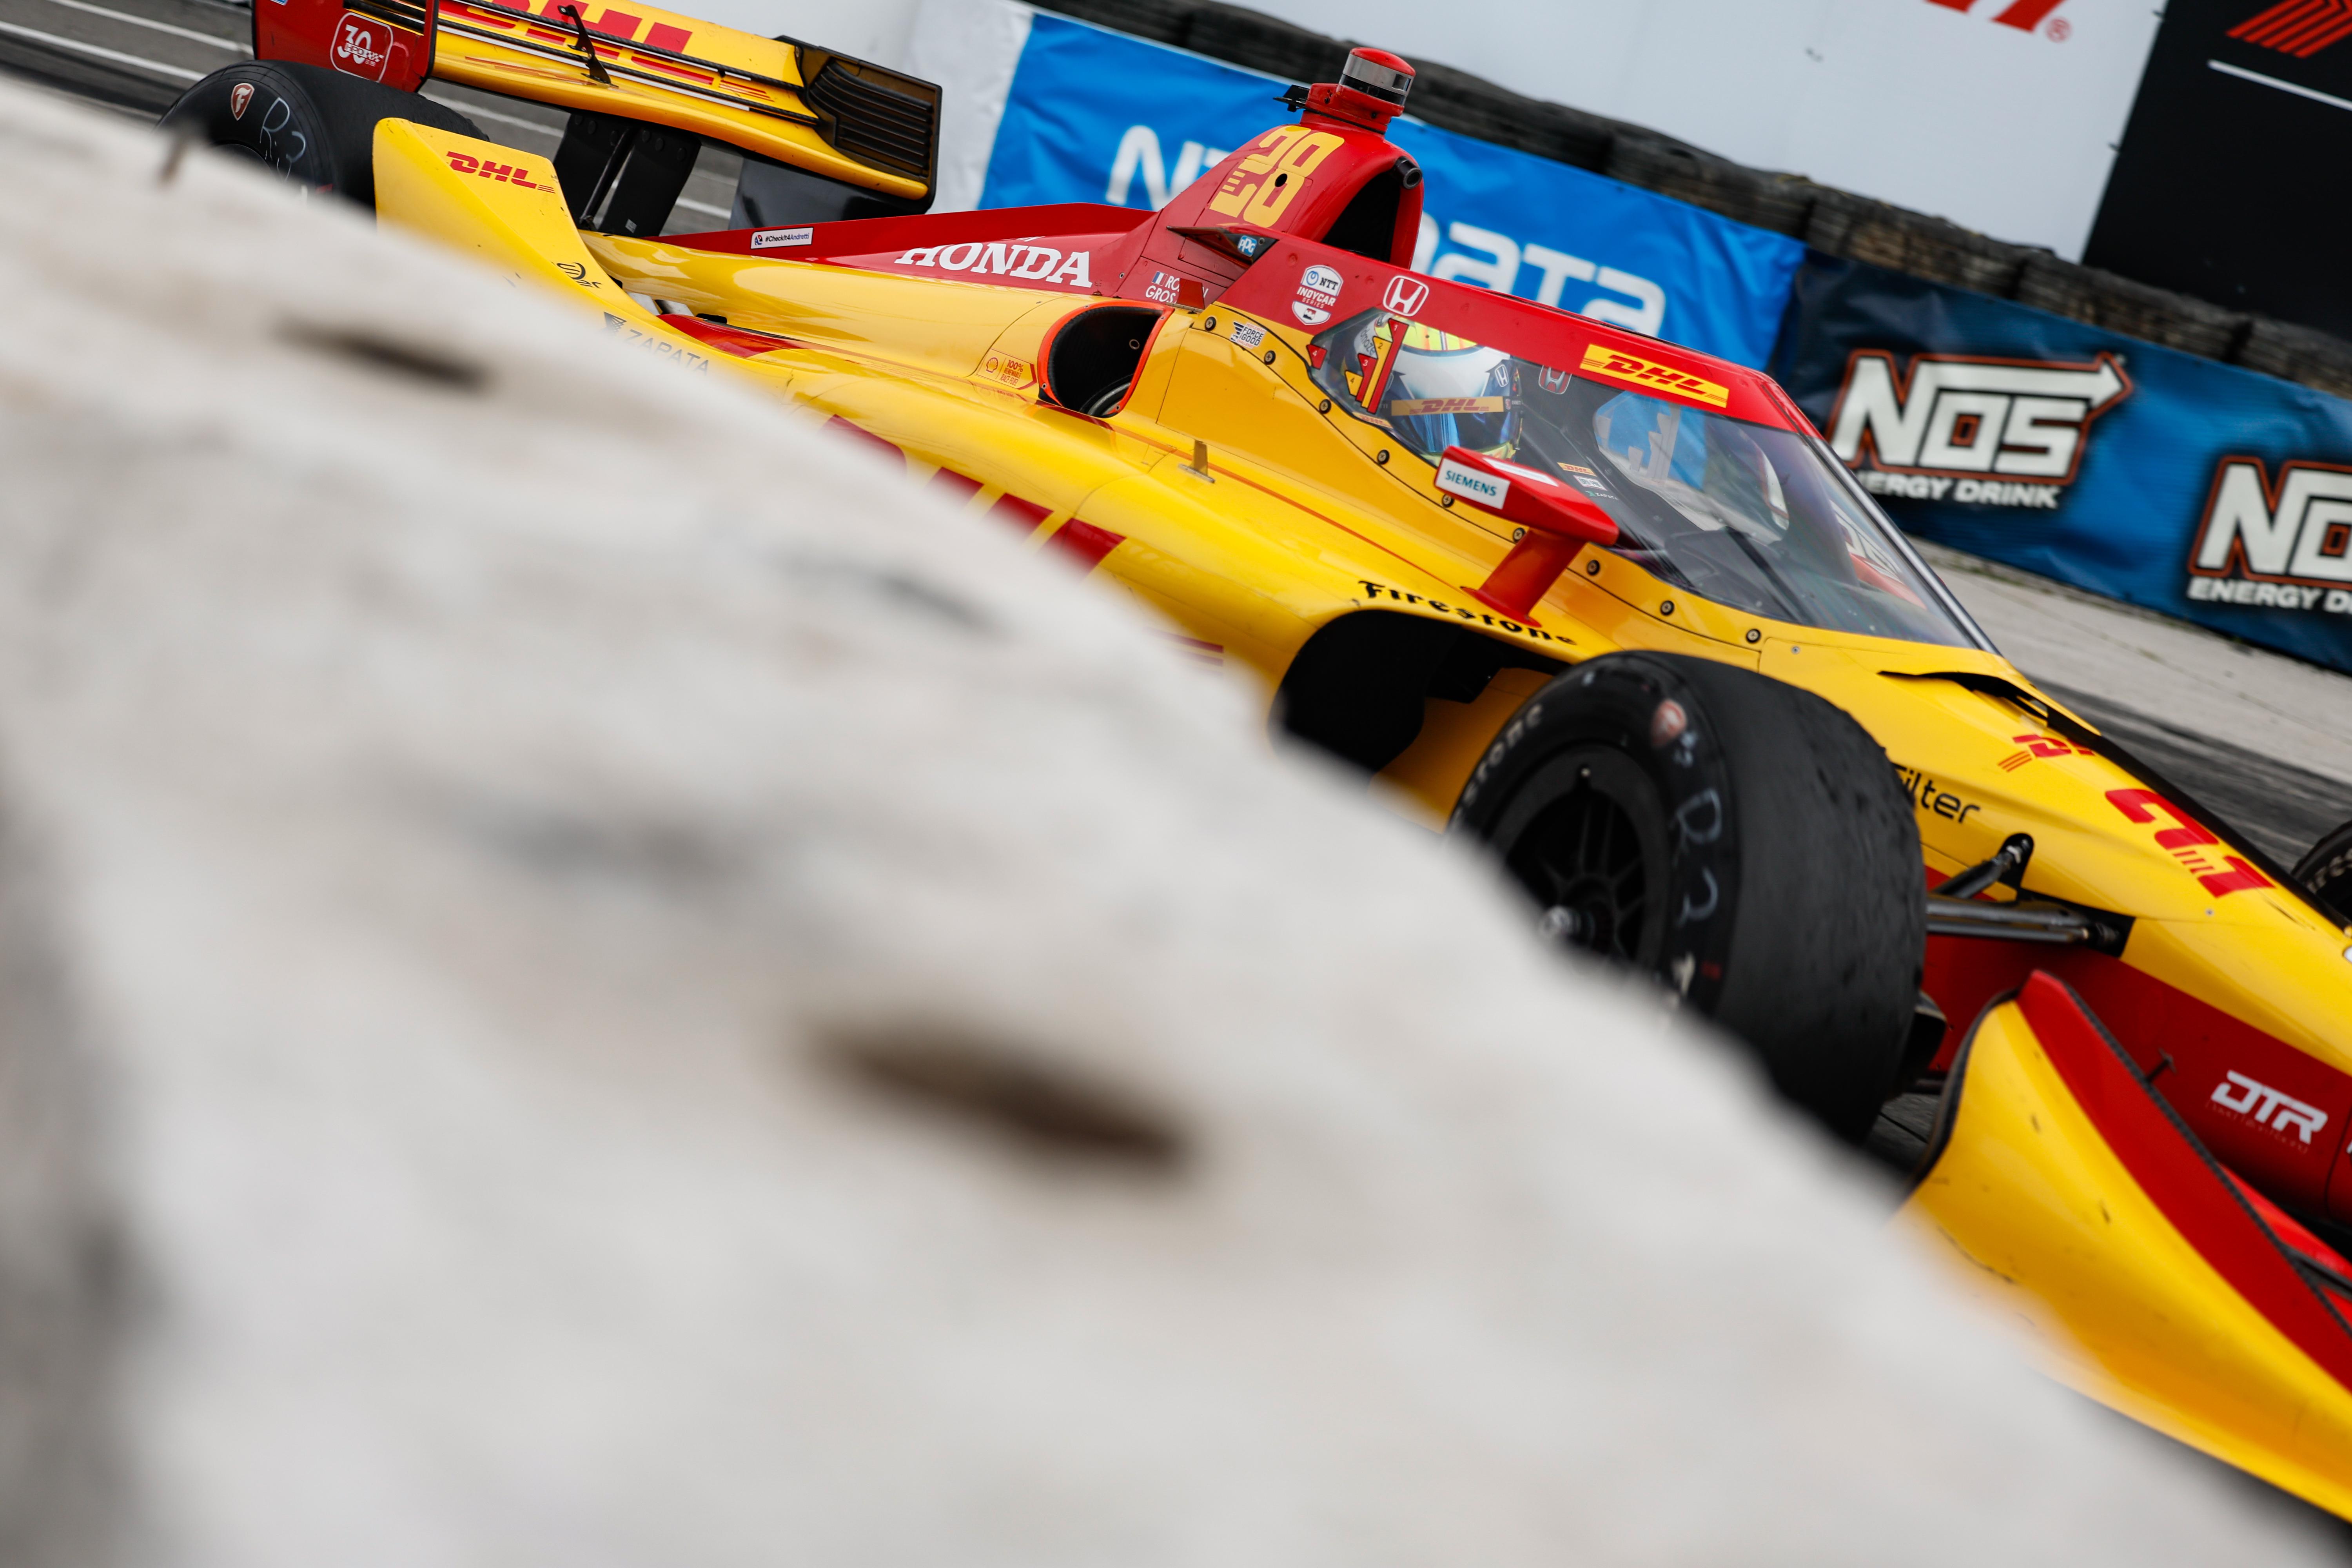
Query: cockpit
{"x":1754,"y":516}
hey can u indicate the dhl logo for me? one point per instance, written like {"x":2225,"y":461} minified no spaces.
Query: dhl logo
{"x":1619,"y":365}
{"x":614,"y":28}
{"x":614,"y":24}
{"x":511,"y":174}
{"x":2190,"y":843}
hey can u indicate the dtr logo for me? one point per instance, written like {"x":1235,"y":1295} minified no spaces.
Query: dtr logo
{"x":2288,"y":549}
{"x":2268,"y":1107}
{"x":1978,"y":430}
{"x":2297,"y":28}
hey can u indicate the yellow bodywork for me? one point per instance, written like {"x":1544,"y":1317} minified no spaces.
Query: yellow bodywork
{"x":1296,"y":522}
{"x":2052,"y":1226}
{"x":1302,"y":514}
{"x":498,"y":51}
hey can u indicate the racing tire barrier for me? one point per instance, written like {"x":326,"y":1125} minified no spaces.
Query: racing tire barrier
{"x":1887,"y":235}
{"x":2326,"y":873}
{"x":310,"y":125}
{"x":1782,"y":203}
{"x":2135,"y":309}
{"x":2282,"y":349}
{"x":1741,"y":839}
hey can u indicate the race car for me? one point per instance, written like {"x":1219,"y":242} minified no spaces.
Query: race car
{"x":1606,"y":606}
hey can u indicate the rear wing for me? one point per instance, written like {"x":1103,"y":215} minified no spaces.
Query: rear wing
{"x":808,"y":108}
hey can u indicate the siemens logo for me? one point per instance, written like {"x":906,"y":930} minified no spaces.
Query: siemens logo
{"x":1471,"y":484}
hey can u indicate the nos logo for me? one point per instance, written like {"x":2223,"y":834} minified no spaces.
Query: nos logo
{"x":1972,"y":418}
{"x":2300,"y":533}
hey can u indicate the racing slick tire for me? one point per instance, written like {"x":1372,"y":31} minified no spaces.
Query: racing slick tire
{"x":2326,"y":873}
{"x":1743,"y":840}
{"x":312,"y":126}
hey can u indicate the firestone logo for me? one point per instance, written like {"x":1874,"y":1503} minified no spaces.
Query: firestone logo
{"x":2287,"y":546}
{"x":1986,"y":432}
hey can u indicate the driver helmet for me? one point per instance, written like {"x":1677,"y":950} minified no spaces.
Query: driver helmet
{"x":1445,"y":391}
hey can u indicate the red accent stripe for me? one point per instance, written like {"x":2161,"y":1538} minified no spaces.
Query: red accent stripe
{"x":1084,"y":543}
{"x":665,"y":36}
{"x":2299,"y":27}
{"x":2291,"y":1233}
{"x":841,"y":427}
{"x":737,"y":340}
{"x":2027,"y":14}
{"x":2293,"y":32}
{"x":961,"y":488}
{"x":2329,"y":30}
{"x":2253,"y":27}
{"x":1024,"y":515}
{"x":2181,"y":1179}
{"x":655,"y":62}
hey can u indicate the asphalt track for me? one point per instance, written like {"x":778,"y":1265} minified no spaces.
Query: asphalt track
{"x":2264,"y":739}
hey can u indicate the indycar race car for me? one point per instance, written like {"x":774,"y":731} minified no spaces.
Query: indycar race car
{"x":1605,"y":606}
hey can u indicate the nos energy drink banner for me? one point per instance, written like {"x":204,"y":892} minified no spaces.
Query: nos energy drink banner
{"x":1095,"y":116}
{"x":2206,"y":492}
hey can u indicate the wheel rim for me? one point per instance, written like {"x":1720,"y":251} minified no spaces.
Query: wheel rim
{"x":1594,"y":856}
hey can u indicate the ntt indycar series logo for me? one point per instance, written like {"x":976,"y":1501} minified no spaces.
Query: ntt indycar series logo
{"x":2282,"y":546}
{"x":1981,"y":432}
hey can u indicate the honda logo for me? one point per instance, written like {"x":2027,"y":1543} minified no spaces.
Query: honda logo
{"x":1405,"y":296}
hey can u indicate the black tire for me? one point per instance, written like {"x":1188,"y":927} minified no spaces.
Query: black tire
{"x":2326,"y":873}
{"x":312,"y":126}
{"x":1743,"y":840}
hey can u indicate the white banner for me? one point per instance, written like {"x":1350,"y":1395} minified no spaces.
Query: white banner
{"x":1998,"y":114}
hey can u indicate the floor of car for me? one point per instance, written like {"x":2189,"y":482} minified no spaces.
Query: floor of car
{"x":1899,"y":1138}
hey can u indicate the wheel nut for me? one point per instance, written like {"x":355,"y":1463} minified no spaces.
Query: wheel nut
{"x":1561,"y":923}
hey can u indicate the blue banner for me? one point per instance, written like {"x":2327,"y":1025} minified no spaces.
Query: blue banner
{"x":2198,"y":489}
{"x":1097,"y":116}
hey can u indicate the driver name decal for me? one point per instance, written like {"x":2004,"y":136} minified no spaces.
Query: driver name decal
{"x":1652,"y":376}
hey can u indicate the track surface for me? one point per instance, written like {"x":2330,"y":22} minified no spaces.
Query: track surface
{"x":138,"y":56}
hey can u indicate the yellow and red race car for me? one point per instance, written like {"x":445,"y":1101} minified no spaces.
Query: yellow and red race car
{"x":1606,"y":606}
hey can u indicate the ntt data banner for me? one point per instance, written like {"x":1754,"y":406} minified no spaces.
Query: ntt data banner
{"x":1097,"y":116}
{"x":2204,"y":491}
